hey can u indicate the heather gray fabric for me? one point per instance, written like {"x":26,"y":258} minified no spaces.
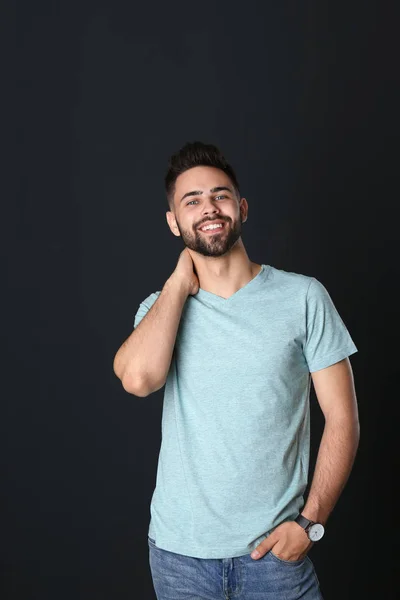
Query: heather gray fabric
{"x":234,"y":453}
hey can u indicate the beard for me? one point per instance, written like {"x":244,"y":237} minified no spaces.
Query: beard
{"x":213,"y":244}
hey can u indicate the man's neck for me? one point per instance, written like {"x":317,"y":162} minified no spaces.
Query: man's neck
{"x":224,"y":276}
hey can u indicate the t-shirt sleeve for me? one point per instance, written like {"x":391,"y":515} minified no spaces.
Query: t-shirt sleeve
{"x":144,"y":307}
{"x":327,"y":338}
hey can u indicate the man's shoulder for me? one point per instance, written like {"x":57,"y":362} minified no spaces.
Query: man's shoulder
{"x":290,"y":279}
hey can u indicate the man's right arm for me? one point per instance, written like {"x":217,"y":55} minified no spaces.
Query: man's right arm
{"x":143,"y":361}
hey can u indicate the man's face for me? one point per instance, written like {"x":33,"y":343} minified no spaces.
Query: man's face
{"x":198,"y":203}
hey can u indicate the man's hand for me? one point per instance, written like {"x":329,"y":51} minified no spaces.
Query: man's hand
{"x":185,"y":272}
{"x":288,"y":541}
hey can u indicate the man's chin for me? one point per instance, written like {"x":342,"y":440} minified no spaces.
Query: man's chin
{"x":212,"y":251}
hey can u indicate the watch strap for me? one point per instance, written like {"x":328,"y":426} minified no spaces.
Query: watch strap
{"x":303,"y":522}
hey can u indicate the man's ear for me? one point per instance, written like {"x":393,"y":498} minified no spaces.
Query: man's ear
{"x":245,"y":205}
{"x":172,"y":223}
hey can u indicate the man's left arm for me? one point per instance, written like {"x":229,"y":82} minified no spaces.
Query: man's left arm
{"x":335,"y":392}
{"x":334,"y":388}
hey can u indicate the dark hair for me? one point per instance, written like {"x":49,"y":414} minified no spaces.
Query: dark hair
{"x":195,"y":154}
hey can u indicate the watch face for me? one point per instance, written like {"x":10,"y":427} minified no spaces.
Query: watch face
{"x":316,"y":532}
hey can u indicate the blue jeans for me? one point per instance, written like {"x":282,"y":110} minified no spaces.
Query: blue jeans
{"x":179,"y":577}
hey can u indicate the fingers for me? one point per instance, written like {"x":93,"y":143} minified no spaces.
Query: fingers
{"x":264,"y":547}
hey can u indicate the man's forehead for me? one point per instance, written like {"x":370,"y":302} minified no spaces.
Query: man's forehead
{"x":202,"y":182}
{"x":204,"y":177}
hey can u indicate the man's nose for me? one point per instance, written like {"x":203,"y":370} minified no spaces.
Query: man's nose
{"x":209,"y":206}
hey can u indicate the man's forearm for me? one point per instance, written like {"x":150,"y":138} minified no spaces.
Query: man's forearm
{"x":144,"y":358}
{"x":334,"y":463}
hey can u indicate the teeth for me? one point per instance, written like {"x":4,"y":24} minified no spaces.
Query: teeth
{"x":211,"y":227}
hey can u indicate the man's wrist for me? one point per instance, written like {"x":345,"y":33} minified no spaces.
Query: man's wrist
{"x":313,"y":529}
{"x":177,"y":284}
{"x":316,"y":515}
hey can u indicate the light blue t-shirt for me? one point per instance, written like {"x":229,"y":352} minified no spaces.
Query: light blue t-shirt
{"x":234,"y":452}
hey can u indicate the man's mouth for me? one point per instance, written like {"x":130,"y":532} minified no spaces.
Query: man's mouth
{"x":212,"y":227}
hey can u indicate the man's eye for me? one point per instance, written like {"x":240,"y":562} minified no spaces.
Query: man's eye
{"x":220,"y":196}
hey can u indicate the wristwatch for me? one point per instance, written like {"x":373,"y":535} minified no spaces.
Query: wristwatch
{"x":314,"y":530}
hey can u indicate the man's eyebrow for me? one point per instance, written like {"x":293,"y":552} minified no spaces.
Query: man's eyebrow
{"x":213,"y":190}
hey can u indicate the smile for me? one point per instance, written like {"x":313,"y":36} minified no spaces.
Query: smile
{"x":212,"y":228}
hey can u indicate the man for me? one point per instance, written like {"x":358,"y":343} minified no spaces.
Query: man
{"x":236,"y":344}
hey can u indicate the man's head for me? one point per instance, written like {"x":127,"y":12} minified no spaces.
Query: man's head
{"x":201,"y":189}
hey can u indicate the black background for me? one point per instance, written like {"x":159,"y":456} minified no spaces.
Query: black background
{"x":301,"y":98}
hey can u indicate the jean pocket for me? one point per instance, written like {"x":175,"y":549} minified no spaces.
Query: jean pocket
{"x":287,"y":562}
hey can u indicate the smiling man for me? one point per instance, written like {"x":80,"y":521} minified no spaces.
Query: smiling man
{"x":238,"y":345}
